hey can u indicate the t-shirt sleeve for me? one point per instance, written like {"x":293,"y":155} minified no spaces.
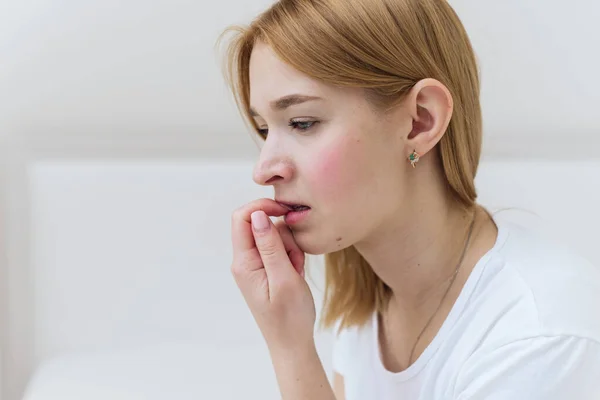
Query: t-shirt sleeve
{"x":341,"y":351}
{"x":540,"y":368}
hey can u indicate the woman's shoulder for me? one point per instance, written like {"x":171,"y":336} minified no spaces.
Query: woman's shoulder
{"x":562,"y":286}
{"x":543,"y":260}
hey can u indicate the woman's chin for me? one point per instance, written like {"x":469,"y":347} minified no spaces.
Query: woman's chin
{"x":315,"y":245}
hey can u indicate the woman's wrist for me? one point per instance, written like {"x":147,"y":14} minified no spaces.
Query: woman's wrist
{"x":296,"y":351}
{"x":300,"y":373}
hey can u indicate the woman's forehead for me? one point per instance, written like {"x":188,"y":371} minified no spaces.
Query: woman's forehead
{"x":271,"y":77}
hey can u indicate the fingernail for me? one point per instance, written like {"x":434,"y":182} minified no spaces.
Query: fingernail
{"x":260,"y":222}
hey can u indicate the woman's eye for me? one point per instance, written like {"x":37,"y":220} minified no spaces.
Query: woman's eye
{"x":263,"y":132}
{"x":302,"y":125}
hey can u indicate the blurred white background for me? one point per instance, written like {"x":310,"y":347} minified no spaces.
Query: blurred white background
{"x":123,"y":155}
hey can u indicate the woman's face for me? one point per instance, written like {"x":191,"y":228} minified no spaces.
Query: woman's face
{"x":327,"y":149}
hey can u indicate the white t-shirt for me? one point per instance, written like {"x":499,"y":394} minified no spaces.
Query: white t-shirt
{"x":526,"y":326}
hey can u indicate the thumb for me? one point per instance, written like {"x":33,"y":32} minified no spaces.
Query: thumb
{"x":269,"y":245}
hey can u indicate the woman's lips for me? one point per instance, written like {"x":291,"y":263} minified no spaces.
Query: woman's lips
{"x":294,"y":206}
{"x":296,"y":216}
{"x":297,"y":212}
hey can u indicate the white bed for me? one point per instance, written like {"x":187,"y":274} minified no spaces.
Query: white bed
{"x":183,"y":371}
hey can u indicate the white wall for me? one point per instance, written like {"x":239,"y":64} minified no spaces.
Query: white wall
{"x":127,"y":68}
{"x":125,"y":82}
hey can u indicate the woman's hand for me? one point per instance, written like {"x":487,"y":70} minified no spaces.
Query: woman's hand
{"x":268,"y":267}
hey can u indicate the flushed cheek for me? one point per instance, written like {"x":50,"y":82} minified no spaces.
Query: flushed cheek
{"x":336,"y":172}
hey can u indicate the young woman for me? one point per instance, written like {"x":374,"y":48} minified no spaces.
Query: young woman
{"x":370,"y":115}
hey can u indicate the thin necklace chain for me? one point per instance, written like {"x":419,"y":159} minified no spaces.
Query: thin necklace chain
{"x":464,"y":251}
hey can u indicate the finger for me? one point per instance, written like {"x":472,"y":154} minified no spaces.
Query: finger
{"x":241,"y":230}
{"x":295,"y":254}
{"x":253,"y":261}
{"x":270,"y":245}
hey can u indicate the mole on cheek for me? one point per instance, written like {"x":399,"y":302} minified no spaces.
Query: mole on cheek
{"x":339,"y":239}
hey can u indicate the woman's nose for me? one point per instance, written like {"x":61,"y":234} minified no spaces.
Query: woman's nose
{"x":269,"y":171}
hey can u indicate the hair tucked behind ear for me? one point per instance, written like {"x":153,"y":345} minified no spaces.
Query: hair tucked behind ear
{"x":385,"y":47}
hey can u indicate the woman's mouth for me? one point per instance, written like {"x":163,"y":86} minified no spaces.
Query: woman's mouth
{"x":296,"y":213}
{"x":294,"y":207}
{"x":298,"y":208}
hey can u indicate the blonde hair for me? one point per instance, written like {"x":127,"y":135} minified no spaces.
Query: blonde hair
{"x":384,"y":47}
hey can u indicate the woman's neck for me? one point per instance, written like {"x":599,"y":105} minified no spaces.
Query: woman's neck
{"x":416,"y":256}
{"x":419,"y":286}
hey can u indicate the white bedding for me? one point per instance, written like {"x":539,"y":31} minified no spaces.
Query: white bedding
{"x":162,"y":372}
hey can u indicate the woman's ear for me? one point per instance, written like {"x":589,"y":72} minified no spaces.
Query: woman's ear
{"x":430,"y":105}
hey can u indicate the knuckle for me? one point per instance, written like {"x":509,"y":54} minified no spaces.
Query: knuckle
{"x":248,"y":259}
{"x":236,"y":215}
{"x":268,"y":249}
{"x":236,"y":270}
{"x":243,"y":261}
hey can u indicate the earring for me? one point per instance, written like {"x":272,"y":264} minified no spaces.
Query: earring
{"x":413,"y":158}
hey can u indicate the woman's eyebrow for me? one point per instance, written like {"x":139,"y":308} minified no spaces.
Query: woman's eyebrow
{"x":287,"y":101}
